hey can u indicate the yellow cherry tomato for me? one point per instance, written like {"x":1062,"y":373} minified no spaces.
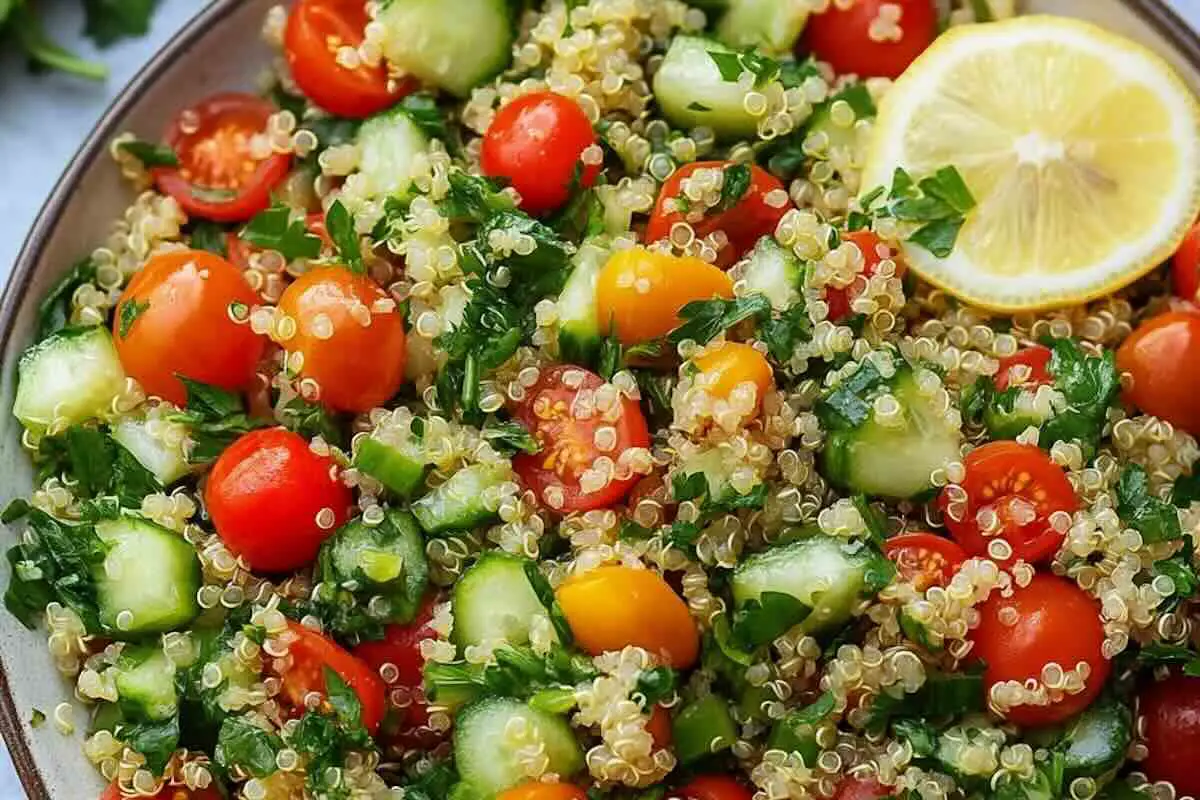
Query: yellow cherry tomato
{"x":732,"y":364}
{"x":611,"y":607}
{"x":543,"y":791}
{"x":639,"y":292}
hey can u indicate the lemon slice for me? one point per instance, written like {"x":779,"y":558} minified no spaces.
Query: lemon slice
{"x":1082,"y":150}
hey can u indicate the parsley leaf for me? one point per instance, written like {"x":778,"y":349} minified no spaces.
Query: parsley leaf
{"x":703,"y":320}
{"x":943,"y":694}
{"x":763,"y":620}
{"x":1155,"y":519}
{"x":732,"y":64}
{"x":130,"y":311}
{"x":653,"y":685}
{"x":54,"y":312}
{"x":54,"y":560}
{"x":782,"y":333}
{"x":208,"y":235}
{"x":274,"y":229}
{"x":422,"y":109}
{"x":157,"y":741}
{"x":545,"y":594}
{"x":341,"y":229}
{"x":1181,"y":569}
{"x":847,"y":406}
{"x":940,"y":201}
{"x":243,"y":745}
{"x":473,"y":198}
{"x":1186,"y":490}
{"x":313,"y":419}
{"x":510,"y":438}
{"x":109,"y":21}
{"x":150,"y":154}
{"x":1090,"y":384}
{"x":215,"y":418}
{"x":736,"y":183}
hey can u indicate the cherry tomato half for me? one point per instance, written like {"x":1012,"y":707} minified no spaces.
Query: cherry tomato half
{"x":550,"y":411}
{"x":924,"y":559}
{"x":854,"y":787}
{"x":1169,"y":721}
{"x":870,"y":38}
{"x":113,"y":792}
{"x":839,"y":299}
{"x":316,"y":30}
{"x":712,"y":787}
{"x":1158,"y":353}
{"x":218,"y":177}
{"x":1022,"y":487}
{"x":350,"y":336}
{"x":1035,"y":360}
{"x":310,"y":654}
{"x":536,"y":142}
{"x":273,"y":500}
{"x":748,"y":221}
{"x":1050,"y":621}
{"x":733,"y":364}
{"x":175,"y":318}
{"x":537,"y":790}
{"x":1185,"y":266}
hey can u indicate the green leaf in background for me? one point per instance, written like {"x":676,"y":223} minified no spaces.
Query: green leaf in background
{"x":109,"y":21}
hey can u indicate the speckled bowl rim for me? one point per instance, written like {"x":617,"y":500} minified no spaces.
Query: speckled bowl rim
{"x":1156,"y":13}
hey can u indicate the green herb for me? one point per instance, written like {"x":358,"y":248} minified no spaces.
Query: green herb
{"x":782,"y":333}
{"x":694,"y":106}
{"x":54,"y":312}
{"x":1186,"y":490}
{"x":873,"y":518}
{"x":766,"y":618}
{"x":1181,"y":569}
{"x":1160,"y":653}
{"x":919,"y":735}
{"x":940,"y":202}
{"x":130,"y":311}
{"x":611,"y":357}
{"x":734,"y":187}
{"x":243,"y":745}
{"x":516,"y":672}
{"x":54,"y":560}
{"x":105,"y":22}
{"x":313,"y":419}
{"x":847,"y":406}
{"x":340,"y":225}
{"x":207,"y":235}
{"x":37,"y":718}
{"x":654,"y":685}
{"x":944,"y":694}
{"x":1155,"y":519}
{"x":510,"y":438}
{"x":150,"y":154}
{"x":156,"y":741}
{"x":545,"y":594}
{"x":101,"y":466}
{"x":330,"y":132}
{"x":326,"y":741}
{"x":732,"y":65}
{"x":109,"y":21}
{"x":1090,"y":384}
{"x":215,"y":418}
{"x":274,"y":229}
{"x":703,"y":320}
{"x":422,"y":109}
{"x":473,"y":198}
{"x":434,"y":783}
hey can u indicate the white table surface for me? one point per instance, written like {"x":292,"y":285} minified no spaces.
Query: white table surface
{"x":44,"y":119}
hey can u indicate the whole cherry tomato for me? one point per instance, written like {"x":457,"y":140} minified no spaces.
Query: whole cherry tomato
{"x":871,"y":38}
{"x":311,"y":653}
{"x":1169,"y":721}
{"x":1160,"y":352}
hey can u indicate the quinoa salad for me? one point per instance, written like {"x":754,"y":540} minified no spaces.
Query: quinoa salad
{"x":634,"y":400}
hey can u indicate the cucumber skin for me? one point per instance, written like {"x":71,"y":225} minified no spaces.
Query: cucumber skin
{"x":167,"y":465}
{"x":579,"y":337}
{"x":356,"y":536}
{"x":1097,"y":740}
{"x":457,"y":504}
{"x":134,"y":667}
{"x":85,"y":394}
{"x":398,"y":471}
{"x":475,"y":579}
{"x":698,"y":725}
{"x":566,"y":757}
{"x":689,"y":78}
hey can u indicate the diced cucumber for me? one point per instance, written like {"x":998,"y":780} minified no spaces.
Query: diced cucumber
{"x":69,"y":377}
{"x":458,"y":503}
{"x":1096,"y":741}
{"x":399,"y":464}
{"x":826,"y":574}
{"x":795,"y":733}
{"x":494,"y":602}
{"x":455,"y":50}
{"x":578,"y":329}
{"x":774,"y":272}
{"x":389,"y":144}
{"x":385,"y":561}
{"x":165,"y":460}
{"x":842,"y":137}
{"x":148,"y":580}
{"x":702,"y":728}
{"x":898,"y":459}
{"x":487,"y":755}
{"x":961,"y":751}
{"x":145,"y":681}
{"x":773,"y":25}
{"x":691,"y":92}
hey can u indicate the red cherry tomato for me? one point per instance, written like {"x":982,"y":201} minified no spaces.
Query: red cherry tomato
{"x":401,"y":647}
{"x":1022,"y":487}
{"x":713,"y":787}
{"x":568,"y":444}
{"x":217,"y":177}
{"x":839,"y":300}
{"x":744,"y":224}
{"x":174,"y":318}
{"x":1050,"y":621}
{"x":849,"y":39}
{"x":316,"y":30}
{"x":1169,"y":721}
{"x":310,"y":654}
{"x":924,"y":559}
{"x":659,"y":728}
{"x":113,"y":792}
{"x":1036,"y":358}
{"x":854,"y":787}
{"x":536,"y":142}
{"x":273,"y":500}
{"x":1159,"y":353}
{"x":1185,"y":266}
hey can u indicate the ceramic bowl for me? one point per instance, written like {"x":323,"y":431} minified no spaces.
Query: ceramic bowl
{"x":221,"y":49}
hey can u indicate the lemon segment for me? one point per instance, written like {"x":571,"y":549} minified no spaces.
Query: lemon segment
{"x":1082,"y":150}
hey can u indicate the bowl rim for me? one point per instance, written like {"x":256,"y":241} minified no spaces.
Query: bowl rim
{"x":1165,"y":21}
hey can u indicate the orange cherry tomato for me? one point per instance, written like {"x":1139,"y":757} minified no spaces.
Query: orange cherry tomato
{"x":659,"y":728}
{"x":733,"y":364}
{"x":218,"y":177}
{"x":1022,"y":487}
{"x":316,"y":31}
{"x":538,"y":790}
{"x":848,"y":38}
{"x":854,"y":787}
{"x":1036,"y":359}
{"x":113,"y":792}
{"x":611,"y":607}
{"x":176,"y":317}
{"x":273,"y":500}
{"x":924,"y":559}
{"x":1050,"y":621}
{"x":1185,"y":266}
{"x":839,"y":299}
{"x":744,"y":224}
{"x":1156,"y":356}
{"x":639,"y":292}
{"x":310,"y":654}
{"x":550,"y":411}
{"x":535,"y":142}
{"x":350,"y":335}
{"x":712,"y":787}
{"x":1169,"y":723}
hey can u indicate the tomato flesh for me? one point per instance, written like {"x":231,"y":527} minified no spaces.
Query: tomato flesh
{"x":1158,"y":353}
{"x":1049,"y":621}
{"x":311,"y":653}
{"x":1034,"y":361}
{"x":568,"y":442}
{"x":1169,"y":722}
{"x":748,"y":221}
{"x":538,"y":790}
{"x":713,"y":787}
{"x":839,"y":299}
{"x":273,"y":500}
{"x":849,"y":39}
{"x":1022,"y":487}
{"x":536,"y":143}
{"x":175,"y":318}
{"x":218,"y":177}
{"x":1185,"y":266}
{"x":924,"y":559}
